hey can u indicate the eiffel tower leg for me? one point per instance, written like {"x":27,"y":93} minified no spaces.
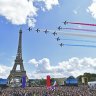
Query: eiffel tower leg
{"x":14,"y":67}
{"x":21,"y":67}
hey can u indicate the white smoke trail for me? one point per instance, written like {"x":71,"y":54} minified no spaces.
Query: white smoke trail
{"x":71,"y":34}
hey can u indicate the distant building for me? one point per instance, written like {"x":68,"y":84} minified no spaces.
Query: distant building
{"x":71,"y":81}
{"x":84,"y":80}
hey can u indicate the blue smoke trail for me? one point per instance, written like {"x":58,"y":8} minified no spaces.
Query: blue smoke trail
{"x":79,"y":40}
{"x":80,"y":45}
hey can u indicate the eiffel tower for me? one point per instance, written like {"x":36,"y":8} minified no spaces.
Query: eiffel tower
{"x":17,"y":74}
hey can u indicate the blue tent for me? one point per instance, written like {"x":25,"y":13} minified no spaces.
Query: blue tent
{"x":71,"y":81}
{"x":3,"y":83}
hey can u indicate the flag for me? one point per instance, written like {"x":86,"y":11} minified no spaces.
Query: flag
{"x":23,"y":81}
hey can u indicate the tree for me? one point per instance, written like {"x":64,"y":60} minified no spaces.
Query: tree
{"x":43,"y":81}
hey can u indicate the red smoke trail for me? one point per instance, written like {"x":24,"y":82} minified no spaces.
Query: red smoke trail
{"x":81,"y":23}
{"x":80,"y":29}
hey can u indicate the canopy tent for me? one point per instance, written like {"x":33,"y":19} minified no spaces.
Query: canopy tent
{"x":71,"y":81}
{"x":3,"y":81}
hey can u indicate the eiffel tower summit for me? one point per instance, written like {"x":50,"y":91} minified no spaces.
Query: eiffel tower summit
{"x":16,"y":75}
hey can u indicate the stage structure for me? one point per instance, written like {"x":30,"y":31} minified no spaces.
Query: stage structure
{"x":15,"y":77}
{"x":48,"y":81}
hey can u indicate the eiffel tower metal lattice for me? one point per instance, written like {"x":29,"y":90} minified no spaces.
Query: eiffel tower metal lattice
{"x":18,"y":62}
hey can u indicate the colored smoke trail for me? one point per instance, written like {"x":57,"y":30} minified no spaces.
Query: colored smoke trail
{"x":79,"y":40}
{"x":80,"y":45}
{"x":82,"y":23}
{"x":71,"y":34}
{"x":80,"y":35}
{"x":80,"y":29}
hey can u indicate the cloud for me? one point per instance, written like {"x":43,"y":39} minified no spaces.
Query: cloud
{"x":35,"y":75}
{"x":21,"y":12}
{"x":92,"y":9}
{"x":48,"y":4}
{"x":4,"y":71}
{"x":18,"y":11}
{"x":74,"y":66}
{"x":43,"y":66}
{"x":75,"y":12}
{"x":33,"y":61}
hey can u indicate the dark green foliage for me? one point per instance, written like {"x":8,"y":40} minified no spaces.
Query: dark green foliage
{"x":43,"y":81}
{"x":90,"y":76}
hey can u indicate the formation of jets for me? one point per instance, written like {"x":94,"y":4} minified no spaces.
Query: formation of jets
{"x":46,"y":31}
{"x":54,"y":33}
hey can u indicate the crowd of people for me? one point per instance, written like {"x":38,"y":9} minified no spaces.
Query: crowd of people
{"x":43,"y":91}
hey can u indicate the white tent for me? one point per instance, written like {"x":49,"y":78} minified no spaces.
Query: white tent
{"x":92,"y":84}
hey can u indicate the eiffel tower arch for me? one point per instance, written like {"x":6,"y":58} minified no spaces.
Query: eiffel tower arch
{"x":15,"y":76}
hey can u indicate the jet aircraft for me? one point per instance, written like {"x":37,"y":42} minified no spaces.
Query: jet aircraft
{"x":46,"y":31}
{"x":59,"y":28}
{"x":57,"y":38}
{"x":29,"y":28}
{"x":61,"y":44}
{"x":37,"y":30}
{"x":54,"y":33}
{"x":65,"y":22}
